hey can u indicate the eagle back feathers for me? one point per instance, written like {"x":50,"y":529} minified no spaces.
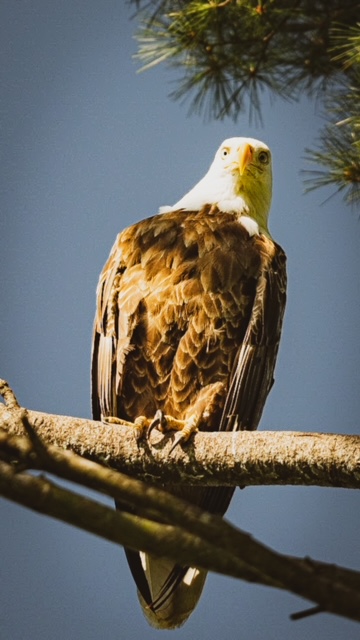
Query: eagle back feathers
{"x":189,"y":315}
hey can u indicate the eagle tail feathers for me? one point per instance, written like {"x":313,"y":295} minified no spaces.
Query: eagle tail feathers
{"x":168,"y":593}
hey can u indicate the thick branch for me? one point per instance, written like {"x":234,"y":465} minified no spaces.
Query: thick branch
{"x":189,"y":536}
{"x":167,"y":525}
{"x":241,"y":458}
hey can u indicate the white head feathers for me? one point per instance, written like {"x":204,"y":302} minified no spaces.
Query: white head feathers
{"x":239,"y":180}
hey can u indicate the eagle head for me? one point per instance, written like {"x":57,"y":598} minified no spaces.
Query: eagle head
{"x":239,"y":180}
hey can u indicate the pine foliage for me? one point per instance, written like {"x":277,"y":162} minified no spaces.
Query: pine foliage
{"x":230,"y":51}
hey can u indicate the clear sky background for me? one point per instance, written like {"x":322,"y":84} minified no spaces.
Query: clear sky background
{"x":88,"y":147}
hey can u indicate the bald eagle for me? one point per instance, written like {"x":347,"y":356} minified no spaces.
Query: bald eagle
{"x":189,"y":312}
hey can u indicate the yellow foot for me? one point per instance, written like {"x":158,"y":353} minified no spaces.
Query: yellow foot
{"x":140,"y":424}
{"x":115,"y":420}
{"x":162,"y":422}
{"x":166,"y":423}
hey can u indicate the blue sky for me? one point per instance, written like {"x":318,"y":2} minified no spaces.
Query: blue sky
{"x":88,"y":147}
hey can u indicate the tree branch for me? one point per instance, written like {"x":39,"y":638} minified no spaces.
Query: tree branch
{"x":233,"y":459}
{"x":167,"y":526}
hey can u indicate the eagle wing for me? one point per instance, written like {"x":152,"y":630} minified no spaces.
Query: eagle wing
{"x":189,"y":314}
{"x":253,"y":372}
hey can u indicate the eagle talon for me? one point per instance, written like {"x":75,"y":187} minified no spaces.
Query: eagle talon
{"x":183,"y":435}
{"x":179,"y":437}
{"x":141,"y":425}
{"x":158,"y":422}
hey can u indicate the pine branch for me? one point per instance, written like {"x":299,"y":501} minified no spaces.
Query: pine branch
{"x":167,"y":526}
{"x":231,"y":52}
{"x":338,"y":149}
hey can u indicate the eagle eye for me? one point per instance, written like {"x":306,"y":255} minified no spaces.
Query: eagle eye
{"x":225,"y":152}
{"x":263,"y":157}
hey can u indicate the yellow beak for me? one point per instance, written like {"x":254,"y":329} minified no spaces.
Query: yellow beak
{"x":245,"y":156}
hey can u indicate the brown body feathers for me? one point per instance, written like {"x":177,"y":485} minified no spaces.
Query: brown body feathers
{"x":189,"y":316}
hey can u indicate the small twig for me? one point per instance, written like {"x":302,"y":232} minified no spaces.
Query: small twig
{"x":21,"y":414}
{"x":8,"y":395}
{"x":306,"y":613}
